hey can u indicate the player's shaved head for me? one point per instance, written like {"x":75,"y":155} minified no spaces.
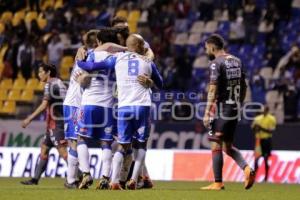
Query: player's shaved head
{"x":135,"y":43}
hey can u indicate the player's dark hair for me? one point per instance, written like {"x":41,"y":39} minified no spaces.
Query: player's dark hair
{"x":49,"y":67}
{"x":123,"y":31}
{"x":216,"y":40}
{"x":91,"y":37}
{"x":107,"y":35}
{"x":117,"y":20}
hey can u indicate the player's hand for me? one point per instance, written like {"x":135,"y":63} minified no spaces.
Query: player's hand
{"x":84,"y":79}
{"x":206,"y":121}
{"x":26,"y":122}
{"x":81,"y":54}
{"x":145,"y":81}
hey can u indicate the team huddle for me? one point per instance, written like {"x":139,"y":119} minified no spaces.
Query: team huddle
{"x":118,"y":118}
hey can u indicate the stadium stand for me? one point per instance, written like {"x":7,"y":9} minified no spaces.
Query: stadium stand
{"x":260,"y":37}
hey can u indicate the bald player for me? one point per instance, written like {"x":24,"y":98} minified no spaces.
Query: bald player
{"x":134,"y":103}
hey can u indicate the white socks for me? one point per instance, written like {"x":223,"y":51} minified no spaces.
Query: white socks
{"x":117,"y":164}
{"x":83,"y":157}
{"x":106,"y":162}
{"x":72,"y":166}
{"x":139,"y":161}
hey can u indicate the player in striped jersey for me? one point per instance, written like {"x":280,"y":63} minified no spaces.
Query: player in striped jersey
{"x":72,"y":105}
{"x":133,"y":106}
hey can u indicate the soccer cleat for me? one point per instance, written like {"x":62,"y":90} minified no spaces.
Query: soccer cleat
{"x":123,"y":184}
{"x":87,"y":181}
{"x":103,"y":184}
{"x":115,"y":186}
{"x":214,"y":186}
{"x":249,"y":177}
{"x":144,"y":183}
{"x":131,"y":185}
{"x":30,"y":182}
{"x":71,"y":185}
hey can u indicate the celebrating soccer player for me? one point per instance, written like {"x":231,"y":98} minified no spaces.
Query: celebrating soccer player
{"x":134,"y":102}
{"x":72,"y":105}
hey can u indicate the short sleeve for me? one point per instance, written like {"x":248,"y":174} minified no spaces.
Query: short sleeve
{"x":47,"y":89}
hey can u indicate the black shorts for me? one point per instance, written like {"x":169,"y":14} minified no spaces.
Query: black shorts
{"x":225,"y":123}
{"x":266,"y":147}
{"x":55,"y":137}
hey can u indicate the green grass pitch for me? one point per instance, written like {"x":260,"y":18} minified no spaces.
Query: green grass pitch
{"x":48,"y":189}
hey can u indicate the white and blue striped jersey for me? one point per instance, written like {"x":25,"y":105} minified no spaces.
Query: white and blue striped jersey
{"x":74,"y":92}
{"x":100,"y":90}
{"x":127,"y":67}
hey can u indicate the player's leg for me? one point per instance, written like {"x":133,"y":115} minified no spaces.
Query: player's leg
{"x":42,"y":163}
{"x":106,"y":165}
{"x":216,"y":142}
{"x":142,"y":131}
{"x":71,"y":115}
{"x":217,"y":162}
{"x":139,"y":149}
{"x":234,"y":153}
{"x":145,"y":178}
{"x":117,"y":165}
{"x":85,"y":132}
{"x":84,"y":164}
{"x":127,"y":162}
{"x":72,"y":171}
{"x":125,"y":130}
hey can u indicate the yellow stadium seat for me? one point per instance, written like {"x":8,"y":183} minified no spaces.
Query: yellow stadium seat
{"x":9,"y":107}
{"x":18,"y":16}
{"x":1,"y":68}
{"x":64,"y":73}
{"x":42,"y":23}
{"x":1,"y":105}
{"x":122,"y":13}
{"x":31,"y":16}
{"x":58,"y":4}
{"x":134,"y":16}
{"x":3,"y":51}
{"x":47,"y":4}
{"x":32,"y":84}
{"x":6,"y":84}
{"x":67,"y":62}
{"x":3,"y":95}
{"x":40,"y":86}
{"x":14,"y":95}
{"x":19,"y":84}
{"x":2,"y":28}
{"x":27,"y":95}
{"x":132,"y":27}
{"x":7,"y":16}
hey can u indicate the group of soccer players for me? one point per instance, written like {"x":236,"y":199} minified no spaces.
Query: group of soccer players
{"x":89,"y":112}
{"x":110,"y":57}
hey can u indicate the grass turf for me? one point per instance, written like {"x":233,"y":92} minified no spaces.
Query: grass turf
{"x":48,"y":189}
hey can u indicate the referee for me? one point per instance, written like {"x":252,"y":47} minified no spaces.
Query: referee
{"x":263,"y":126}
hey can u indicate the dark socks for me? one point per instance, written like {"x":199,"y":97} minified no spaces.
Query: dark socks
{"x":235,"y":154}
{"x":41,"y":167}
{"x":217,"y":158}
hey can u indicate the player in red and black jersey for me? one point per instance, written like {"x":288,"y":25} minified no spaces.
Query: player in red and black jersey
{"x":226,"y":93}
{"x":54,"y":94}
